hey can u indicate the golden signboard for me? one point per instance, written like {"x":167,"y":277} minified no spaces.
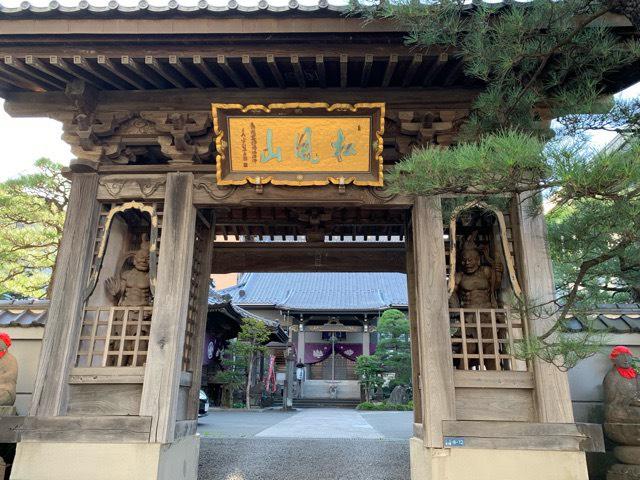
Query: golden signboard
{"x":299,"y":143}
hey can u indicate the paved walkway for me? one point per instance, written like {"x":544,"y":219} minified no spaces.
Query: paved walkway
{"x":307,"y":423}
{"x":322,"y":423}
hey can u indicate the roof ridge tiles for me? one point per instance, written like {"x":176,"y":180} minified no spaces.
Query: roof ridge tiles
{"x":172,"y":5}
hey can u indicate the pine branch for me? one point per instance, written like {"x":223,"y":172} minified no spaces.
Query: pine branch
{"x":582,"y":272}
{"x":545,"y":59}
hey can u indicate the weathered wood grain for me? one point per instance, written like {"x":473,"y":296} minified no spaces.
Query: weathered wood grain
{"x":183,"y":404}
{"x":414,"y":332}
{"x":231,"y":257}
{"x":184,"y":428}
{"x":594,"y":441}
{"x":104,"y":399}
{"x":58,"y":106}
{"x":79,"y":378}
{"x":208,"y":194}
{"x":162,"y":372}
{"x":86,"y":429}
{"x":493,"y":379}
{"x":73,"y":264}
{"x":525,"y":435}
{"x":497,"y":404}
{"x":436,"y":363}
{"x":10,"y":429}
{"x":186,"y":379}
{"x":553,"y":398}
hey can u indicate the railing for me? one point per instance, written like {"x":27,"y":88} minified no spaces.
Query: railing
{"x":484,"y":338}
{"x":114,"y":337}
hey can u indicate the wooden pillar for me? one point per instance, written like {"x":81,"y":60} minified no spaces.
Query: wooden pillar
{"x":73,"y":265}
{"x":553,"y":398}
{"x":414,"y":331}
{"x":432,"y":313}
{"x":166,"y":342}
{"x":366,"y":341}
{"x":301,"y":343}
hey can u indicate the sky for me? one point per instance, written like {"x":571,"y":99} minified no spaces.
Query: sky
{"x":25,"y":140}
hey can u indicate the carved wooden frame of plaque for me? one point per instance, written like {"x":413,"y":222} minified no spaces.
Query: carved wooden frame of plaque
{"x":373,"y":177}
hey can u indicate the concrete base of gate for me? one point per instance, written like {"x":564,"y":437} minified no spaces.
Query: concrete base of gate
{"x":107,"y":461}
{"x":486,"y":464}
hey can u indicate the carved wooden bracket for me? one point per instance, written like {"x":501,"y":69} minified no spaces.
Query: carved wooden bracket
{"x":125,"y":137}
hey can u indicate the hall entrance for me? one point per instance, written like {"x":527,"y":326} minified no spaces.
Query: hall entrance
{"x":324,"y":273}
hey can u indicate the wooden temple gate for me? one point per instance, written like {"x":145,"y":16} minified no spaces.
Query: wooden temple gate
{"x":148,"y":217}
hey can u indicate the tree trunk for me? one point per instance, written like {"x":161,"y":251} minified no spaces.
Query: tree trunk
{"x":249,"y":374}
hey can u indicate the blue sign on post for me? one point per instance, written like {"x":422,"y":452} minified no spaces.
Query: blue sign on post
{"x":453,"y":441}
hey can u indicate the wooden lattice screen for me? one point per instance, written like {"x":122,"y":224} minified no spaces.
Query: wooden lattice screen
{"x":114,"y":337}
{"x":197,"y":309}
{"x":485,"y":339}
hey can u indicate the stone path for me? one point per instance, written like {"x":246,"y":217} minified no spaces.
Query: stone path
{"x":307,"y":423}
{"x":323,"y":423}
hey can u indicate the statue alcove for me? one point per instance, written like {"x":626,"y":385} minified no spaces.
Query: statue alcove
{"x":119,"y":296}
{"x":483,"y":288}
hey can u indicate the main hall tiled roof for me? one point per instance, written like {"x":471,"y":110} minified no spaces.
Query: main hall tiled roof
{"x":377,"y":291}
{"x":321,"y":291}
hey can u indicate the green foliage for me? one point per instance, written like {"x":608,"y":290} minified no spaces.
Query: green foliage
{"x":32,"y":210}
{"x":565,"y":351}
{"x":239,"y":356}
{"x":253,"y":335}
{"x":593,"y":221}
{"x":394,"y":346}
{"x":505,"y":162}
{"x":384,"y":406}
{"x":535,"y":58}
{"x":233,"y":375}
{"x":370,"y":370}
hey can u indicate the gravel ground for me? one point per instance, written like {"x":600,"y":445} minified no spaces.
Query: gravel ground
{"x":303,"y":459}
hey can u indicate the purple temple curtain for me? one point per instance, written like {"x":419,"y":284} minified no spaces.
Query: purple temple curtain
{"x":349,"y":351}
{"x":316,"y":352}
{"x":212,"y":347}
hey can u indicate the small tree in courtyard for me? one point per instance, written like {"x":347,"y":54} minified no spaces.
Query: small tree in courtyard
{"x":239,"y":357}
{"x":370,"y":370}
{"x":394,"y":347}
{"x":232,"y":377}
{"x":251,"y":340}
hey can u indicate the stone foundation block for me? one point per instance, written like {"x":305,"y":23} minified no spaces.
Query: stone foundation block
{"x":107,"y":461}
{"x":624,"y":472}
{"x":630,"y":455}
